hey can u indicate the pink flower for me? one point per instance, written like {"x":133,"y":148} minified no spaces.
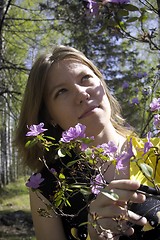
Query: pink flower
{"x":116,"y":1}
{"x":125,"y":85}
{"x":97,"y":183}
{"x":35,"y":181}
{"x":108,"y":148}
{"x":157,"y":120}
{"x":73,"y":133}
{"x":35,"y":130}
{"x":148,"y":144}
{"x":124,"y":157}
{"x":141,"y":75}
{"x":135,"y":101}
{"x":92,"y":7}
{"x":155,"y":104}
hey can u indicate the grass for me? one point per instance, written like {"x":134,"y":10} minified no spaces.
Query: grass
{"x":14,"y":197}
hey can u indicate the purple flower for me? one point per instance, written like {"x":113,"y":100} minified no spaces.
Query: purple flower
{"x":53,"y":171}
{"x":83,"y":147}
{"x":145,"y":92}
{"x":124,"y":157}
{"x":36,"y":130}
{"x":73,"y":132}
{"x":120,"y":159}
{"x":108,"y":148}
{"x":141,"y":75}
{"x":35,"y":181}
{"x":97,"y":183}
{"x":155,"y":104}
{"x":136,"y":90}
{"x":135,"y":100}
{"x":156,"y":120}
{"x":125,"y":85}
{"x":92,"y":7}
{"x":116,"y":1}
{"x":148,"y":144}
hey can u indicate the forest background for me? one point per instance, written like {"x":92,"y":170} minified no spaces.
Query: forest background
{"x":122,"y":40}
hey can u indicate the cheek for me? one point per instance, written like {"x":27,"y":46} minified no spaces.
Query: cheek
{"x":62,"y":116}
{"x":105,"y":101}
{"x":99,"y":91}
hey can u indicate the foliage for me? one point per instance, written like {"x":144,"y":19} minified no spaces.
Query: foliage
{"x":121,"y":39}
{"x":92,"y":163}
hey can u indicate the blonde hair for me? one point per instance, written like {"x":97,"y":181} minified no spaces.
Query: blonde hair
{"x":33,"y":110}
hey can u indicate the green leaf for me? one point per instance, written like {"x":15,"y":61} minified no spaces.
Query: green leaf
{"x":28,"y":143}
{"x":31,"y":143}
{"x":85,"y":191}
{"x":146,"y":169}
{"x":61,"y":153}
{"x":61,"y":176}
{"x":86,"y":140}
{"x":49,"y":137}
{"x":122,"y":13}
{"x":103,"y":28}
{"x":110,"y":195}
{"x":131,"y":7}
{"x":112,"y":22}
{"x":68,"y":203}
{"x":72,"y":163}
{"x":132,"y":19}
{"x":58,"y":203}
{"x":82,"y":224}
{"x":88,"y":151}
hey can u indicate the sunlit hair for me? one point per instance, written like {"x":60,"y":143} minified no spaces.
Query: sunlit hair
{"x":33,"y":110}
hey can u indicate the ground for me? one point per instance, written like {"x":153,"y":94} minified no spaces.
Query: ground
{"x":16,"y":225}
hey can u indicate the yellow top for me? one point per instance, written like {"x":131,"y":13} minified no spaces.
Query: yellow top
{"x":148,"y":158}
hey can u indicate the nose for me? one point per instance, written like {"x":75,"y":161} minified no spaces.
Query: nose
{"x":81,"y":94}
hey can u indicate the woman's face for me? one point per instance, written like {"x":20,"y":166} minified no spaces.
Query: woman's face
{"x":74,"y":94}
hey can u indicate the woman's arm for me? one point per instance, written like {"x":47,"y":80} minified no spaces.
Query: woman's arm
{"x":45,"y":228}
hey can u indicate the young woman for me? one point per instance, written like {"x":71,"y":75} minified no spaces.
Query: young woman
{"x":65,"y":88}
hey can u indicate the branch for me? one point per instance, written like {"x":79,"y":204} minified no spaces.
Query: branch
{"x":30,"y":20}
{"x":5,"y":13}
{"x":2,"y":92}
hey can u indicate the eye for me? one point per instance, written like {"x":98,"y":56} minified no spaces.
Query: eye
{"x":86,"y":78}
{"x":60,"y":92}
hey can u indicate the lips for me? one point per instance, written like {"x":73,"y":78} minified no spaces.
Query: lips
{"x":88,"y":111}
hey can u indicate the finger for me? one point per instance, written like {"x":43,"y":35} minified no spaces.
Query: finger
{"x":124,"y":184}
{"x":124,"y":196}
{"x":116,"y":211}
{"x":136,"y":219}
{"x":128,"y":195}
{"x":117,"y":227}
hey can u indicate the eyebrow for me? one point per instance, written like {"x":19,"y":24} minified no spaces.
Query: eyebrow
{"x":53,"y":89}
{"x":83,"y":72}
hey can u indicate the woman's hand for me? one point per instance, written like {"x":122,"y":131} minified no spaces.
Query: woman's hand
{"x":111,"y":217}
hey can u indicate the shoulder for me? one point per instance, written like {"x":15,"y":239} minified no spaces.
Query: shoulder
{"x":47,"y":224}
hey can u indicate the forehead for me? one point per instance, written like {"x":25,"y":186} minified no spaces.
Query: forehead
{"x":69,"y":65}
{"x":63,"y":70}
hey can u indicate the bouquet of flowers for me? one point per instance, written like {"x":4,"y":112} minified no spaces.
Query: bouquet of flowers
{"x":90,"y":161}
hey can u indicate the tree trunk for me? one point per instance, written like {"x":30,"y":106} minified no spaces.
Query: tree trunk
{"x":1,"y":100}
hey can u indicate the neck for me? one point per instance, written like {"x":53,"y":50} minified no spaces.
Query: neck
{"x":109,"y":133}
